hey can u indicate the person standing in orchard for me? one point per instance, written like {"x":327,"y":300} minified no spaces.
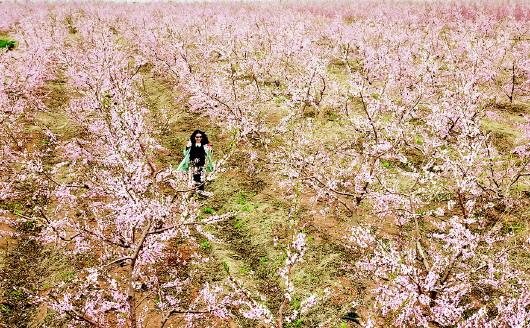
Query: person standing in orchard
{"x":197,"y":159}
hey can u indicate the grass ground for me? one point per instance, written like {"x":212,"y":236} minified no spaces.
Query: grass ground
{"x":244,"y":243}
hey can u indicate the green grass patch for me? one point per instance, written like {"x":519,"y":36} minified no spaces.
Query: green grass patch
{"x":67,"y":276}
{"x":386,"y":164}
{"x":205,"y":244}
{"x":9,"y":44}
{"x":418,"y":140}
{"x":208,"y":210}
{"x":294,"y":324}
{"x":245,"y":269}
{"x":243,"y":203}
{"x":239,"y":223}
{"x":504,"y":132}
{"x":242,"y":197}
{"x":57,"y":121}
{"x":514,"y":227}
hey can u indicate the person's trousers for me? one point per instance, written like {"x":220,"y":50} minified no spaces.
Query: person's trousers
{"x":198,"y":176}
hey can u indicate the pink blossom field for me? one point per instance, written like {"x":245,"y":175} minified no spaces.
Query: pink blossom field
{"x":372,"y":164}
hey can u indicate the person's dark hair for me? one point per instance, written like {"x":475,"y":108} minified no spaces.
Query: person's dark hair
{"x":204,"y":139}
